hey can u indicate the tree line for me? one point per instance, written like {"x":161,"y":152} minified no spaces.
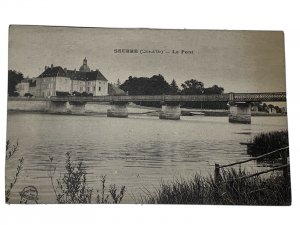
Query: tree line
{"x":157,"y":85}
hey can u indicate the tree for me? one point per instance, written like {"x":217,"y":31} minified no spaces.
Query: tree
{"x":174,"y":88}
{"x":14,"y":78}
{"x":215,"y":89}
{"x":192,"y":87}
{"x":155,"y":85}
{"x":278,"y":110}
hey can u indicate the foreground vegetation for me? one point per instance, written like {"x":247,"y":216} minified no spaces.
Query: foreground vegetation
{"x":229,"y":190}
{"x":233,"y":187}
{"x":72,"y":187}
{"x":267,"y":142}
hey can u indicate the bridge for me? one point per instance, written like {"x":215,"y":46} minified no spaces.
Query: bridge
{"x":240,"y":103}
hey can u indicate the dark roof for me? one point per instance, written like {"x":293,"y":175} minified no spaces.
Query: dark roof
{"x":86,"y":76}
{"x":56,"y":71}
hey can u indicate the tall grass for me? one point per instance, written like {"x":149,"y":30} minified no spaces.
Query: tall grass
{"x":72,"y":186}
{"x":229,"y":190}
{"x":267,"y":142}
{"x":11,"y":149}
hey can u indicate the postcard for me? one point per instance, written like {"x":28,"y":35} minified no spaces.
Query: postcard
{"x":146,"y":116}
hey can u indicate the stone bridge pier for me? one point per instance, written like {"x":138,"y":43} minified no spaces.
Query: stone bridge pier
{"x":240,"y":112}
{"x":118,"y":109}
{"x":170,"y":111}
{"x":77,"y":107}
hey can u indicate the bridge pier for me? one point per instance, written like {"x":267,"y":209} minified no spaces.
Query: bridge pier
{"x":240,"y":113}
{"x":118,"y":109}
{"x":77,"y":107}
{"x":57,"y":107}
{"x":170,"y":112}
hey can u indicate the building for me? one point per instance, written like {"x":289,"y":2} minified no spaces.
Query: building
{"x":26,"y":87}
{"x":58,"y":81}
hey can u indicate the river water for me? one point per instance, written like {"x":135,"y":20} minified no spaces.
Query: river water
{"x":138,"y":152}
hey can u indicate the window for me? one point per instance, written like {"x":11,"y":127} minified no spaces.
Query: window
{"x":88,"y":83}
{"x":94,"y":88}
{"x":88,"y":89}
{"x":99,"y":88}
{"x":81,"y":89}
{"x":99,"y":82}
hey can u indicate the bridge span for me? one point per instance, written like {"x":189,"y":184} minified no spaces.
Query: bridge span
{"x":240,"y":103}
{"x":228,"y":97}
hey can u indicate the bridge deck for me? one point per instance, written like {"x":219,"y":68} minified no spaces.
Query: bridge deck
{"x":235,"y":97}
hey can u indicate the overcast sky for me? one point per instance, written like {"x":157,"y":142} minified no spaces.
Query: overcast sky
{"x":239,"y":61}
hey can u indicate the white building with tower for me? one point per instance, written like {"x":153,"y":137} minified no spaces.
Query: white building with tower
{"x":55,"y":80}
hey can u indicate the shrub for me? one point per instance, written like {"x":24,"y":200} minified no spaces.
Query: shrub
{"x":28,"y":95}
{"x":62,"y":93}
{"x":76,"y":93}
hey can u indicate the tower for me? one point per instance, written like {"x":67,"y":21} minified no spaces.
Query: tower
{"x":84,"y":67}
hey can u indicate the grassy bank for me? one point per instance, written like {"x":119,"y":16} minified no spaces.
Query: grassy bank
{"x":267,"y":142}
{"x":228,"y":191}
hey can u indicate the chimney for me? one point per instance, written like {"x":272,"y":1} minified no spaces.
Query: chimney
{"x":51,"y":66}
{"x":46,"y":67}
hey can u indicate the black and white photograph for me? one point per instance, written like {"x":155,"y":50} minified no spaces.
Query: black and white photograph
{"x":146,"y":116}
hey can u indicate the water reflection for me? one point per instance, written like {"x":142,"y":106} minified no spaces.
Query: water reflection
{"x":136,"y":152}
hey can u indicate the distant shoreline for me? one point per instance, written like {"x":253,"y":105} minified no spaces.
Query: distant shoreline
{"x":39,"y":105}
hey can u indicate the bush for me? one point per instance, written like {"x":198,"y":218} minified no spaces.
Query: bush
{"x":85,"y":94}
{"x":28,"y":95}
{"x":62,"y":93}
{"x":76,"y":93}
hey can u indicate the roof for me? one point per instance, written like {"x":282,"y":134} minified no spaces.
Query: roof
{"x":86,"y":76}
{"x":58,"y":71}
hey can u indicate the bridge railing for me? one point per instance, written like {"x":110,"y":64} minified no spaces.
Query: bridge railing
{"x":260,"y":97}
{"x":233,"y":97}
{"x":145,"y":98}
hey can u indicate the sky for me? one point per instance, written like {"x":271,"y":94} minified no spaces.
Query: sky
{"x":239,"y":61}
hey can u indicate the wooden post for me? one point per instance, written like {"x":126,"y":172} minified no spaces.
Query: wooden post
{"x":217,"y":173}
{"x":285,"y":170}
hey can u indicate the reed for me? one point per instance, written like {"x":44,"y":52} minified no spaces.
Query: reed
{"x":267,"y":142}
{"x":227,"y":191}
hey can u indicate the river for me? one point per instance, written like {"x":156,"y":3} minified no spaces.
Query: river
{"x":138,"y":152}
